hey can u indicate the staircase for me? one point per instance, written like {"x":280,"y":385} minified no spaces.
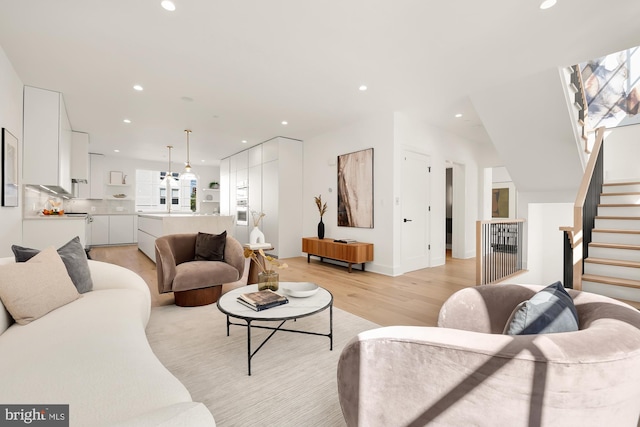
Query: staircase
{"x":613,"y":265}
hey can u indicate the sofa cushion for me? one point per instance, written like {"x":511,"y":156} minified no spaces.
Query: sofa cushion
{"x":549,"y":311}
{"x":201,"y":274}
{"x":74,"y":258}
{"x":32,"y":289}
{"x":210,"y":247}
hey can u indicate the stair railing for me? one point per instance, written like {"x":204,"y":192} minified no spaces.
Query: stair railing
{"x":585,"y":209}
{"x":498,"y":249}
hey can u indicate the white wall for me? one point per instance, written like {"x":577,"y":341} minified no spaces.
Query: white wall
{"x":545,"y":243}
{"x":11,"y":119}
{"x":621,"y":145}
{"x":320,"y":178}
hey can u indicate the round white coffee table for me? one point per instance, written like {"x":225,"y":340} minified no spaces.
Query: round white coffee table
{"x":294,"y":309}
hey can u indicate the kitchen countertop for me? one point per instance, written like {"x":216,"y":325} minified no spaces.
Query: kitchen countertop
{"x":176,"y":215}
{"x":55,"y":217}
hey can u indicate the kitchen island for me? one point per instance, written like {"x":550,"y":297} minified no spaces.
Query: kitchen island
{"x":154,"y":225}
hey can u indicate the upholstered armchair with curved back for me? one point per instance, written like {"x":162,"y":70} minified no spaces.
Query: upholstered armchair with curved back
{"x":467,"y":372}
{"x":196,"y":280}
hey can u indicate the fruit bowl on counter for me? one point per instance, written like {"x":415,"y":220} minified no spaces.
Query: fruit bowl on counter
{"x":49,"y":212}
{"x":120,"y":196}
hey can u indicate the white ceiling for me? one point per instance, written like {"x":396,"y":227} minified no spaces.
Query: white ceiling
{"x":248,"y":65}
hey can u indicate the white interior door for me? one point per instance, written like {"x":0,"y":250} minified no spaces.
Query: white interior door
{"x":415,"y":211}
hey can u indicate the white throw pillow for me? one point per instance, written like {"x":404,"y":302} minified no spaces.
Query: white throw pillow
{"x":31,"y":289}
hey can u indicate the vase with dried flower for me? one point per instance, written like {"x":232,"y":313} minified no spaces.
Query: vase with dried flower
{"x":256,"y":235}
{"x":322,"y":208}
{"x":268,"y":278}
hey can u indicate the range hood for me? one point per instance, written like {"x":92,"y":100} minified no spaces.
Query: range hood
{"x":54,"y":190}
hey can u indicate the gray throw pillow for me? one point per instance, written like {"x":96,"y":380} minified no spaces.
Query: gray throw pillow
{"x":74,"y":258}
{"x":210,"y":247}
{"x":549,"y":311}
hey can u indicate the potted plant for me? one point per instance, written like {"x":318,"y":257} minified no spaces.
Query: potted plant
{"x":322,"y":208}
{"x":214,"y":185}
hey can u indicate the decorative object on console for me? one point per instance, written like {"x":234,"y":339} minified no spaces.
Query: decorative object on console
{"x":214,"y":185}
{"x":322,"y":209}
{"x":9,"y":169}
{"x":355,"y":189}
{"x":256,"y":235}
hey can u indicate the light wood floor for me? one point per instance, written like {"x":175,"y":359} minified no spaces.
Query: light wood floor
{"x":411,"y":299}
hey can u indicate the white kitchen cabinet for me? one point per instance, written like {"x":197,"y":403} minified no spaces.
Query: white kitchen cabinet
{"x":97,"y":176}
{"x":46,"y":140}
{"x":80,"y":156}
{"x":225,"y":207}
{"x":100,"y":230}
{"x":114,"y":229}
{"x":44,"y":232}
{"x":274,"y":187}
{"x":122,"y":229}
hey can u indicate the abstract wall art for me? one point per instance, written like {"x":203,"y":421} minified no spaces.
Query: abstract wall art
{"x":355,"y":189}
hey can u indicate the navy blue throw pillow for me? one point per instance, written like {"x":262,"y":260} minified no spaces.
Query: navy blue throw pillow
{"x":549,"y":311}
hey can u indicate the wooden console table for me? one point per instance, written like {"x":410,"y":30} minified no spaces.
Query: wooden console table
{"x":351,"y":253}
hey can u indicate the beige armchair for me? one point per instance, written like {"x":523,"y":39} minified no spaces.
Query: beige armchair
{"x":195,"y":283}
{"x":465,"y":372}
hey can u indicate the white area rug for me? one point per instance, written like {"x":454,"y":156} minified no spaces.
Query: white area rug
{"x":293,"y":381}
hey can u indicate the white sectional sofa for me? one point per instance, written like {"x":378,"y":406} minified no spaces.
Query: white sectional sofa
{"x":93,"y":354}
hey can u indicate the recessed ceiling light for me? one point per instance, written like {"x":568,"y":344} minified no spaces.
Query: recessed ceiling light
{"x":202,"y":160}
{"x":284,"y":122}
{"x":244,"y":141}
{"x":547,"y":4}
{"x":116,"y":150}
{"x":168,"y":5}
{"x":138,"y":88}
{"x":363,"y":87}
{"x":458,"y":115}
{"x":127,"y":121}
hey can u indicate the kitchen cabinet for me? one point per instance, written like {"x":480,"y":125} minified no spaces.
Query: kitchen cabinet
{"x":40,"y":233}
{"x":94,"y":189}
{"x":225,"y":207}
{"x":46,"y":140}
{"x":122,"y":229}
{"x":114,"y":229}
{"x":80,"y":157}
{"x":99,"y":230}
{"x":274,"y":187}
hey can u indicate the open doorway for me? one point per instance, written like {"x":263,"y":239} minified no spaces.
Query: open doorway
{"x":455,"y":208}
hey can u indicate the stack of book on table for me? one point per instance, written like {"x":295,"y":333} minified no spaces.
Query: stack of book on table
{"x":262,"y":300}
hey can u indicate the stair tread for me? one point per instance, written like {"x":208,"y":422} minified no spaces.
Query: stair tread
{"x":615,"y":230}
{"x":616,"y":262}
{"x":614,"y":246}
{"x":630,"y":193}
{"x":608,"y":184}
{"x":611,"y":281}
{"x":619,"y":217}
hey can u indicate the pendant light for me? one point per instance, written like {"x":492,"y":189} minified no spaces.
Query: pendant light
{"x":166,"y":181}
{"x":187,"y":174}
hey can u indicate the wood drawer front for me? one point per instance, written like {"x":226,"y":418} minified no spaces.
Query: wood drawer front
{"x":349,"y":252}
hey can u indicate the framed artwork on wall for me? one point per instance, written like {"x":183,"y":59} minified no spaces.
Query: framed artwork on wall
{"x":9,"y":169}
{"x":503,"y":200}
{"x":355,"y":189}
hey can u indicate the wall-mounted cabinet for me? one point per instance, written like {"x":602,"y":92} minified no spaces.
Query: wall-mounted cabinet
{"x":47,"y":140}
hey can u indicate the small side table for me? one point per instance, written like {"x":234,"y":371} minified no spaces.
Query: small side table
{"x":252,"y":278}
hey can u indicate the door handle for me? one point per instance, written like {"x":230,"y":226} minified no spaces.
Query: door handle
{"x":407,"y":220}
